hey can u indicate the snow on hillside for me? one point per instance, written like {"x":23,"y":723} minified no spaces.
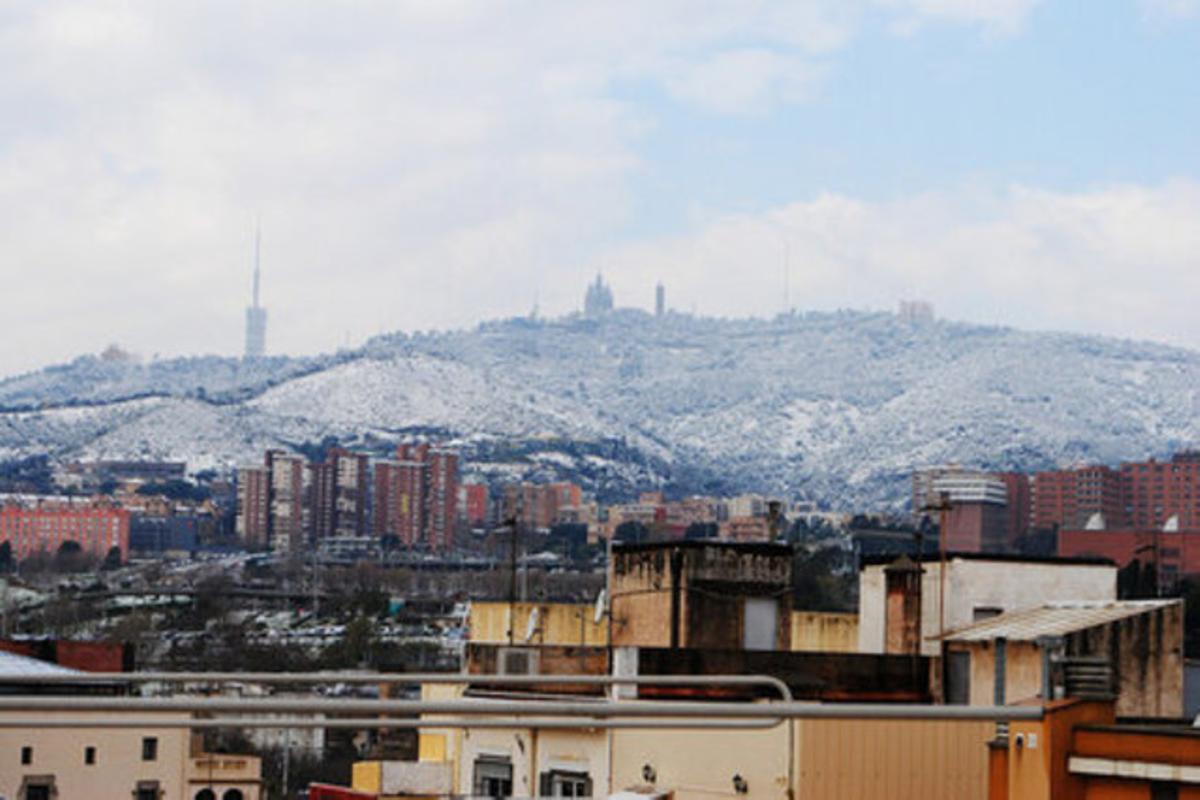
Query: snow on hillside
{"x":837,"y":407}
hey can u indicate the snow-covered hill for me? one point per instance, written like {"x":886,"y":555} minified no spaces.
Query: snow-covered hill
{"x":837,"y":407}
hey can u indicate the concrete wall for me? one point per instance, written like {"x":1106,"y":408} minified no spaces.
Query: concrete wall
{"x":558,"y":623}
{"x":973,"y":584}
{"x":702,"y":764}
{"x":697,"y":592}
{"x":1148,"y":653}
{"x":824,"y":632}
{"x":1147,"y":650}
{"x":1023,"y":671}
{"x":119,"y":766}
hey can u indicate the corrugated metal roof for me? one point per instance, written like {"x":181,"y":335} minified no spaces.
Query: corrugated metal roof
{"x":13,"y":664}
{"x":1054,"y":619}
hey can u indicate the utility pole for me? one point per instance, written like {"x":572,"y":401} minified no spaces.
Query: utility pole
{"x":514,"y":513}
{"x":942,"y":506}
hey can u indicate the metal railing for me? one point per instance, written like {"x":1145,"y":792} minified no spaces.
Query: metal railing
{"x":575,"y":713}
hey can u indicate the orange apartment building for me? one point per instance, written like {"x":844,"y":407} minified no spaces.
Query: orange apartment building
{"x":96,"y":529}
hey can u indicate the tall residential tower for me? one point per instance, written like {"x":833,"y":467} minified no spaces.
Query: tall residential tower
{"x":256,"y":315}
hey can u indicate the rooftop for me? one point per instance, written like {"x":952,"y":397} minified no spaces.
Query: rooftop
{"x":13,"y":664}
{"x":887,"y":558}
{"x":763,"y":548}
{"x":1054,"y":619}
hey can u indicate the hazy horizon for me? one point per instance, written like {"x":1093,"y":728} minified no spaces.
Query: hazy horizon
{"x":430,"y":165}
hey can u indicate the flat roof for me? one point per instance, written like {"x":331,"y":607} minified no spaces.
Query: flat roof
{"x":1054,"y":619}
{"x":875,"y":559}
{"x":763,"y":548}
{"x":14,"y":664}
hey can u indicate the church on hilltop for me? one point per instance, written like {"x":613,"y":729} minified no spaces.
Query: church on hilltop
{"x":598,"y":300}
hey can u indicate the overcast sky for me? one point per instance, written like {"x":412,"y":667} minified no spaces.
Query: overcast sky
{"x":432,"y":164}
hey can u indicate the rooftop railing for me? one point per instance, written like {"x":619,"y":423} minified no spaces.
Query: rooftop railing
{"x":475,"y":712}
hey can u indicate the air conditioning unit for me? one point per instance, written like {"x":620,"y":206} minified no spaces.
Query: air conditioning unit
{"x":518,"y":661}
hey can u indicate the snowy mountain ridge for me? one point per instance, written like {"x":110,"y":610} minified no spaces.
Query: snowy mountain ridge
{"x":836,"y":407}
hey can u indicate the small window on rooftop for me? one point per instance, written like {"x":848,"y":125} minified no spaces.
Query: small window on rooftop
{"x":986,"y":612}
{"x":26,"y":755}
{"x":1161,"y":790}
{"x":89,"y":755}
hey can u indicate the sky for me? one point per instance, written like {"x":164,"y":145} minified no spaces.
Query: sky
{"x":430,"y":165}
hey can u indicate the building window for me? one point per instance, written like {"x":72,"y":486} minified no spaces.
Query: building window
{"x":89,"y":755}
{"x":150,"y":749}
{"x":1161,"y":790}
{"x":26,"y":755}
{"x":558,"y":783}
{"x":233,"y":794}
{"x":37,"y":787}
{"x":493,"y":777}
{"x":147,"y":790}
{"x":205,"y":794}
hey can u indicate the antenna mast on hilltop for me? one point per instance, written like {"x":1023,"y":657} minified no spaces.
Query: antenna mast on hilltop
{"x":256,"y":315}
{"x":257,"y":260}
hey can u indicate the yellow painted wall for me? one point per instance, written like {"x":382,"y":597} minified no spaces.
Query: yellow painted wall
{"x":367,"y":776}
{"x":558,"y":623}
{"x":824,"y":632}
{"x":431,"y":747}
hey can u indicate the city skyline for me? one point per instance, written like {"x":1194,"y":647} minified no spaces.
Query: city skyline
{"x":1012,"y":161}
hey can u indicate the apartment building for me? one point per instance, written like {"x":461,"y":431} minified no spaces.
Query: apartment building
{"x":416,"y":496}
{"x":340,"y":488}
{"x":147,"y":762}
{"x":97,"y":529}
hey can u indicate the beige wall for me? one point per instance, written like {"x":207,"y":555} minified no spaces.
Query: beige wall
{"x":1023,"y":671}
{"x":822,"y":759}
{"x":531,"y":751}
{"x":558,"y":623}
{"x":119,"y":765}
{"x":701,"y":764}
{"x":834,"y":760}
{"x":221,"y":772}
{"x":976,"y":583}
{"x":824,"y":632}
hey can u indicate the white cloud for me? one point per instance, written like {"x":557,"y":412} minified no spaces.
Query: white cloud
{"x":744,"y":81}
{"x":1115,"y":260}
{"x":1004,"y":16}
{"x":1171,"y":9}
{"x":415,"y":164}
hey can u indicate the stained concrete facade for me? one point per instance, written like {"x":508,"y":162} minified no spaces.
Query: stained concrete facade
{"x":721,"y":596}
{"x":824,"y":632}
{"x":1144,"y":651}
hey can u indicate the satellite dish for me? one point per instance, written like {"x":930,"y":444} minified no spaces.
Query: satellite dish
{"x":601,"y":602}
{"x":531,"y":626}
